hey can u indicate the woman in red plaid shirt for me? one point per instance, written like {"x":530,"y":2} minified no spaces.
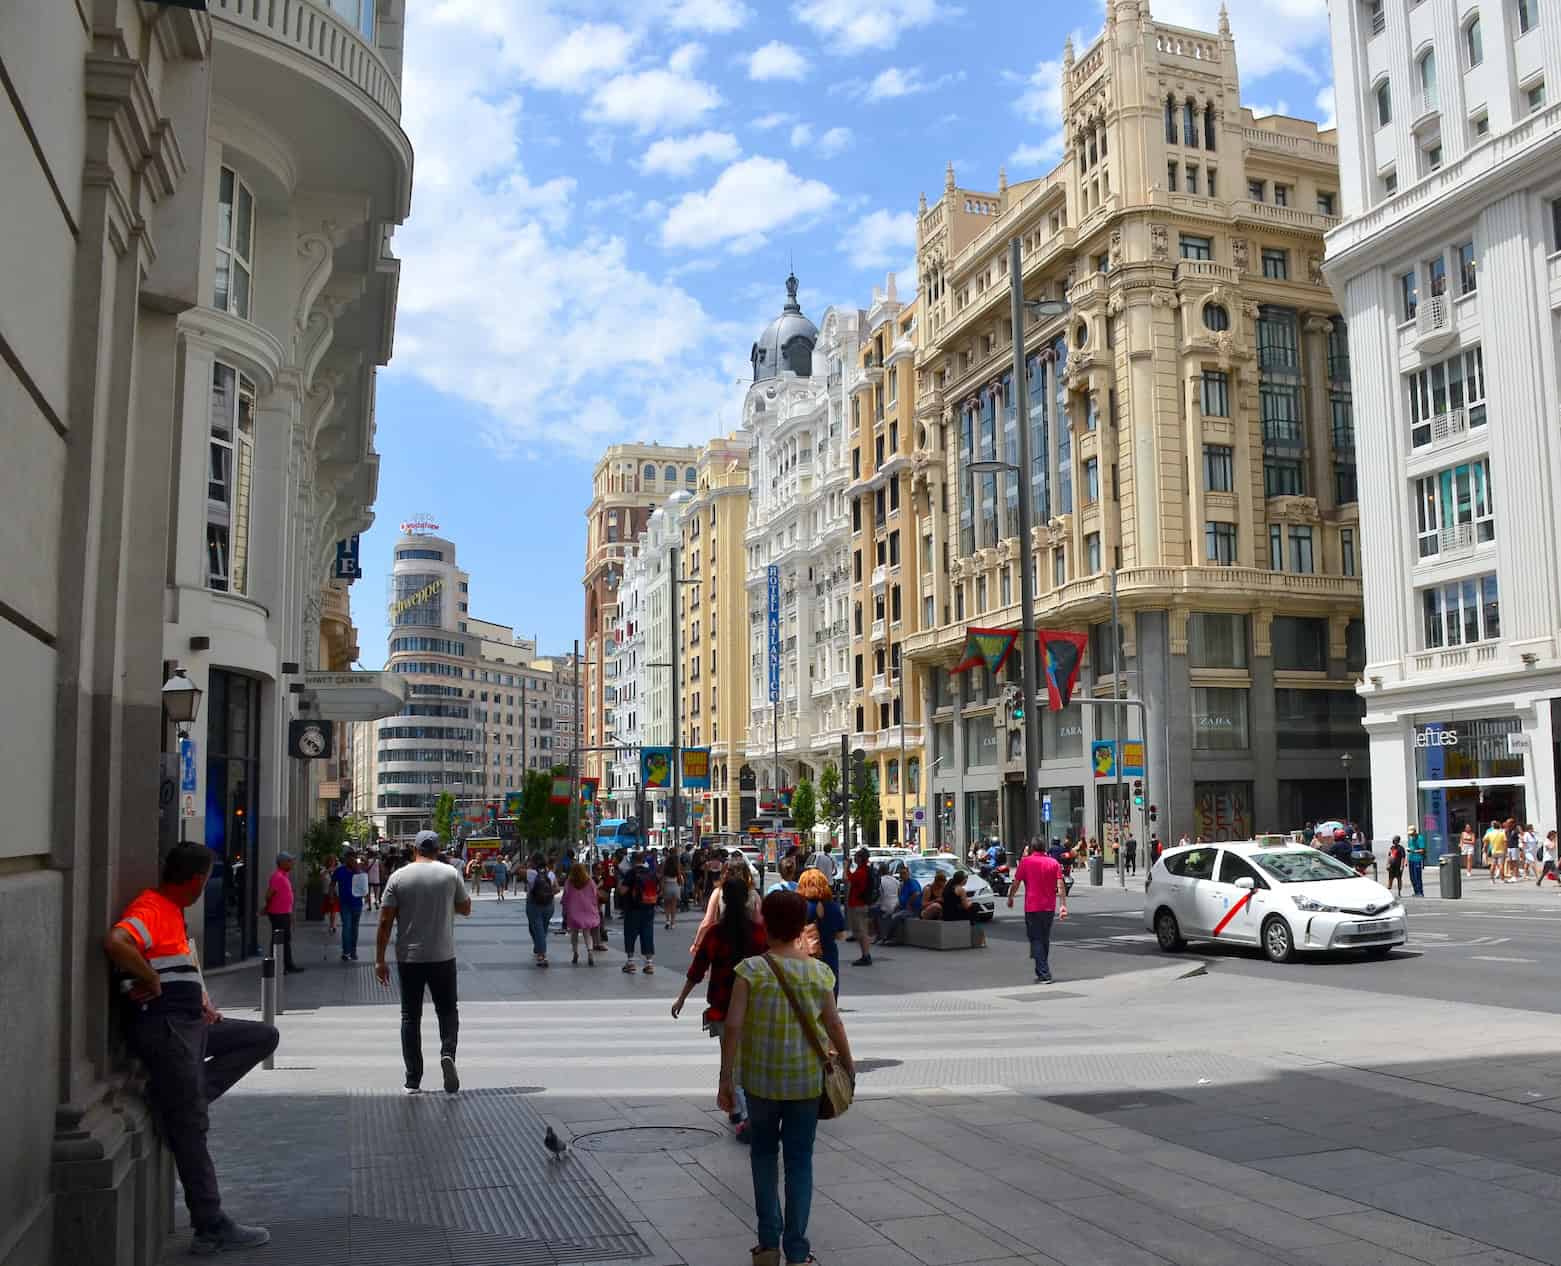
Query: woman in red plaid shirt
{"x":734,"y":938}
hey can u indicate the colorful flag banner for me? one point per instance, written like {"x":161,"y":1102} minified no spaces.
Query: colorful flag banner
{"x":1061,"y":656}
{"x":512,"y":803}
{"x":987,"y":648}
{"x":696,"y":768}
{"x":563,"y":791}
{"x":588,"y":787}
{"x":655,"y":768}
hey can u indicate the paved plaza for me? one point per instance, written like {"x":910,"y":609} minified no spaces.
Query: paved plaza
{"x":1199,"y":1110}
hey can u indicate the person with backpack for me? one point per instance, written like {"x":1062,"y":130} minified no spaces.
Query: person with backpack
{"x":639,"y":896}
{"x":540,"y":891}
{"x":863,"y":888}
{"x":1396,"y":858}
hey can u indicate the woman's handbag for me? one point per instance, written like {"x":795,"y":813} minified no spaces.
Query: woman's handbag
{"x":839,"y":1086}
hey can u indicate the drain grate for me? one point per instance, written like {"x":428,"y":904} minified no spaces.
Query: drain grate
{"x":1039,"y":995}
{"x":647,"y":1139}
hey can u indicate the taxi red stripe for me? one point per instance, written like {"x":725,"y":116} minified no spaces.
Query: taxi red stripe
{"x":1235,"y":910}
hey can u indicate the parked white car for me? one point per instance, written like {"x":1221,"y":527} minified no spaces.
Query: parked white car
{"x":1286,"y":899}
{"x":977,"y":889}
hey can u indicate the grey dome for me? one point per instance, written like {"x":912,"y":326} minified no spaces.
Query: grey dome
{"x":787,"y":342}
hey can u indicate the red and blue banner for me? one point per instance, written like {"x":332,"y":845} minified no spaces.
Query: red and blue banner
{"x":1061,"y":656}
{"x":987,"y":648}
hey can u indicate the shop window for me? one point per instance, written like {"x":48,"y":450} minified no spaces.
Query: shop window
{"x":1216,"y":640}
{"x":1219,"y":718}
{"x":1300,"y":644}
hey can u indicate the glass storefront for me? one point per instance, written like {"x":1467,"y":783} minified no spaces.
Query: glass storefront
{"x":1062,"y":733}
{"x":1222,"y":811}
{"x":1067,"y":820}
{"x":980,"y":742}
{"x":1219,"y":718}
{"x":1466,"y":774}
{"x":232,"y":814}
{"x":981,"y":818}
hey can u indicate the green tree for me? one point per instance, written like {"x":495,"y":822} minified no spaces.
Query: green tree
{"x":804,"y":807}
{"x":323,"y":838}
{"x":444,"y":817}
{"x":828,"y":789}
{"x":864,"y":809}
{"x":359,"y":828}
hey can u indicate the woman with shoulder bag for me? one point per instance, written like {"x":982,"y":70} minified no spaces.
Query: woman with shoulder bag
{"x":826,"y":918}
{"x":773,"y":1045}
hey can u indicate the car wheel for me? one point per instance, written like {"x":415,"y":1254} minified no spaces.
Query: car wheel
{"x":1169,"y":933}
{"x":1278,"y":942}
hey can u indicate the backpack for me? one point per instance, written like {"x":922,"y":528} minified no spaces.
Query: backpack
{"x":542,"y":888}
{"x":874,"y":885}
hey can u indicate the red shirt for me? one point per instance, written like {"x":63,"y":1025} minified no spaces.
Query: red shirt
{"x":1039,"y":873}
{"x":856,"y":887}
{"x":279,"y":893}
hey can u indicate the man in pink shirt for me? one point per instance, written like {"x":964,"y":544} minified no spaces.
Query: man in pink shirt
{"x":279,"y":907}
{"x":1045,"y":899}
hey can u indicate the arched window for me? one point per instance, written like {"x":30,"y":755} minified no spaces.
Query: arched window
{"x":1425,"y":66}
{"x":1384,"y":95}
{"x":1215,"y":317}
{"x":1474,"y":48}
{"x":650,"y":474}
{"x":893,"y":780}
{"x":1190,"y":123}
{"x":1170,"y":120}
{"x":913,"y":774}
{"x":670,"y":474}
{"x":1208,"y":129}
{"x":690,"y":475}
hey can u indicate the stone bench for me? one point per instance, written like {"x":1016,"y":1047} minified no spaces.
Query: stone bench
{"x":938,"y":935}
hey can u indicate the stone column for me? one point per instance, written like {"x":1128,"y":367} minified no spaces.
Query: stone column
{"x":1317,"y":416}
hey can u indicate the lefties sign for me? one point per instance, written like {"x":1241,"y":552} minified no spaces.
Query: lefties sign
{"x":1436,"y":738}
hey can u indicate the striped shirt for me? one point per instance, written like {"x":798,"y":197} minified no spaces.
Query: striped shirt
{"x":156,"y":925}
{"x":776,"y":1060}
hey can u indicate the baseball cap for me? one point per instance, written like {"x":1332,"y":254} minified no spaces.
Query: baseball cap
{"x":284,"y":856}
{"x":427,"y":842}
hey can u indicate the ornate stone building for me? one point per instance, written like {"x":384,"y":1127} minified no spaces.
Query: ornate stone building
{"x":1190,"y":423}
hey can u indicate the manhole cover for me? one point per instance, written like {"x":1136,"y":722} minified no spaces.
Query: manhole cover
{"x":647,"y":1139}
{"x":874,"y":1065}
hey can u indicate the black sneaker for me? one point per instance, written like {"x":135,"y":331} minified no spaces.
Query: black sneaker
{"x":452,"y":1079}
{"x":228,"y":1235}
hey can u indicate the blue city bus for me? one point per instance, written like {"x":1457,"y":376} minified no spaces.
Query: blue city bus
{"x":615,"y":833}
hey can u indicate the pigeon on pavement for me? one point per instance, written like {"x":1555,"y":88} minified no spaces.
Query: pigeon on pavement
{"x":555,"y":1145}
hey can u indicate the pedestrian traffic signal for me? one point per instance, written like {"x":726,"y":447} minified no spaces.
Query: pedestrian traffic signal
{"x":1154,"y":812}
{"x":1138,"y":794}
{"x":859,"y":774}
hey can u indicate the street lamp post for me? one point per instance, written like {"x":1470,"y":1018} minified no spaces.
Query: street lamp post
{"x":1345,"y":759}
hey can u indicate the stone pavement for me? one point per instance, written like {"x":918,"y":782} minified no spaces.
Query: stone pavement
{"x":1159,"y":1116}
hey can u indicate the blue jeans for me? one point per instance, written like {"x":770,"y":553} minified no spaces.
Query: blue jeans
{"x":639,"y":924}
{"x":349,"y":929}
{"x":1417,"y":877}
{"x":1038,"y":927}
{"x":792,"y":1124}
{"x":537,"y":919}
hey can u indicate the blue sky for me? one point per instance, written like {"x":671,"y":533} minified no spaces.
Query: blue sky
{"x":609,"y":194}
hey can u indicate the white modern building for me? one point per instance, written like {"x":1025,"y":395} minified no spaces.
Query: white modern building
{"x":1448,"y":274}
{"x":799,"y":522}
{"x":624,"y":680}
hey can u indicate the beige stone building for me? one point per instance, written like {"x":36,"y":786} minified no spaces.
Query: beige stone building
{"x":713,"y":627}
{"x":886,"y":563}
{"x":1190,"y":427}
{"x":629,"y":482}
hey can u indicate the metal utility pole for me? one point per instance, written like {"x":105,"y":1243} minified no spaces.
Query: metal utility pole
{"x":845,"y":796}
{"x":674,"y":595}
{"x":1116,"y":691}
{"x":574,"y":759}
{"x":1029,"y":667}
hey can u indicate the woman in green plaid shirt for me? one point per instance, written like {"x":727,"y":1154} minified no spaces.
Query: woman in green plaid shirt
{"x":766,"y":1051}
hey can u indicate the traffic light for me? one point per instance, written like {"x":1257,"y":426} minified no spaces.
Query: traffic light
{"x":1154,"y":812}
{"x":859,"y":774}
{"x":1138,"y":794}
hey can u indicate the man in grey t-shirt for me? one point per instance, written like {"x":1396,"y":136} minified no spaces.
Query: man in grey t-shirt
{"x":421,"y":902}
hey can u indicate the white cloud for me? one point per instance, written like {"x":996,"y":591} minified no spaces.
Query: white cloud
{"x":652,"y":101}
{"x":679,"y":155}
{"x":835,"y":141}
{"x":849,"y":26}
{"x":508,"y":301}
{"x":893,"y":82}
{"x":748,"y":200}
{"x":801,"y":134}
{"x":582,"y":56}
{"x":1327,"y":112}
{"x":713,"y":17}
{"x":1279,"y":107}
{"x":1271,"y":35}
{"x":776,"y":61}
{"x":685,"y":57}
{"x":880,"y":238}
{"x":769,"y":122}
{"x":1039,"y":102}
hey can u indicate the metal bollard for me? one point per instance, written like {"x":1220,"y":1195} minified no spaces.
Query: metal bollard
{"x":268,"y":982}
{"x":278,"y":955}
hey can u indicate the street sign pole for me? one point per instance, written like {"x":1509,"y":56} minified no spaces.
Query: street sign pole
{"x":772,"y":580}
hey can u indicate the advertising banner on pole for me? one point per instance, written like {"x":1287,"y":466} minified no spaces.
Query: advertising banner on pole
{"x":696,"y":768}
{"x":656,"y":768}
{"x":1103,"y":758}
{"x":773,"y":582}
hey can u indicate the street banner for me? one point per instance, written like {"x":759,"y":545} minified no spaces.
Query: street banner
{"x":563,"y":791}
{"x":772,"y":580}
{"x":1061,"y":655}
{"x":1103,"y":758}
{"x":588,"y":787}
{"x":655,"y":768}
{"x":512,"y":804}
{"x":987,"y":648}
{"x":696,"y":768}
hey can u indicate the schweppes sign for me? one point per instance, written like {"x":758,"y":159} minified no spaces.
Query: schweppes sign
{"x":414,"y":600}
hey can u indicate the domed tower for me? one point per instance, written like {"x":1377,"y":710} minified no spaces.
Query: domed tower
{"x":786,"y":346}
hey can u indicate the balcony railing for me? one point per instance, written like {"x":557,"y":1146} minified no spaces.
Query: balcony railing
{"x":1434,"y":321}
{"x":879,"y":631}
{"x":1449,"y":426}
{"x":1423,"y":106}
{"x":1456,"y":541}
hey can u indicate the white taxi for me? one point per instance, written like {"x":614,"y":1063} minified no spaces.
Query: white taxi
{"x":1284,"y":898}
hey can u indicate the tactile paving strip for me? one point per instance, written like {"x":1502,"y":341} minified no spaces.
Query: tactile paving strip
{"x":473,"y":1165}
